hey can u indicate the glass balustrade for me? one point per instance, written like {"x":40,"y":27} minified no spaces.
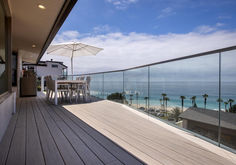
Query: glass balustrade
{"x":196,"y":93}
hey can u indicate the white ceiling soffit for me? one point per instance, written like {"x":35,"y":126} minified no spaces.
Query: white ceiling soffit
{"x":28,"y":56}
{"x":32,"y":25}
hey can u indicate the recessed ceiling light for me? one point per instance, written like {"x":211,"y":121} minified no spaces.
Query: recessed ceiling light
{"x":41,"y":6}
{"x":33,"y":46}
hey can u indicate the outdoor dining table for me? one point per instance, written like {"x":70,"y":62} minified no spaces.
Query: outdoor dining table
{"x":70,"y":82}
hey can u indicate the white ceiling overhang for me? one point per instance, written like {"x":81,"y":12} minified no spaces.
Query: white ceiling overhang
{"x":34,"y":26}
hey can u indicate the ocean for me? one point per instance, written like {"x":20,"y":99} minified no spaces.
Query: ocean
{"x":173,"y":90}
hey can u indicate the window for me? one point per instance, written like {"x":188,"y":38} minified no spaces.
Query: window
{"x":31,"y":68}
{"x":54,"y":66}
{"x":3,"y":71}
{"x":14,"y":69}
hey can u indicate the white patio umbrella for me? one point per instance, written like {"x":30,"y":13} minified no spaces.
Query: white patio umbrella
{"x":73,"y":49}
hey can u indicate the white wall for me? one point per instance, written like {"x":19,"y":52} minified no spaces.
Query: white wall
{"x":7,"y":108}
{"x":19,"y":71}
{"x":45,"y":71}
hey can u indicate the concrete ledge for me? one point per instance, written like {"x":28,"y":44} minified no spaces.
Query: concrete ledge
{"x":7,"y":108}
{"x":186,"y":134}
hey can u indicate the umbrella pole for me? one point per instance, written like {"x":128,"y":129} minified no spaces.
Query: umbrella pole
{"x":72,"y":63}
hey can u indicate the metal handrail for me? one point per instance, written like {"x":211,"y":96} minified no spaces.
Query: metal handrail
{"x":147,"y":96}
{"x":165,"y":61}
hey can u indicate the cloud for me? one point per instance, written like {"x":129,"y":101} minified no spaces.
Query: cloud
{"x":67,"y":36}
{"x":224,"y":17}
{"x":219,"y":24}
{"x":205,"y":29}
{"x":166,"y":12}
{"x":208,"y":29}
{"x":100,"y":29}
{"x":121,"y":4}
{"x":70,"y":34}
{"x":127,"y":50}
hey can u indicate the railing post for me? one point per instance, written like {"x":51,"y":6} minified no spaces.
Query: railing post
{"x":123,"y":92}
{"x":148,"y":87}
{"x":103,"y":94}
{"x":42,"y":83}
{"x":219,"y":124}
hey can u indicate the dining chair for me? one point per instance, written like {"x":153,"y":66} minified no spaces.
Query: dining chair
{"x":47,"y":87}
{"x":62,"y":89}
{"x":81,"y":78}
{"x":86,"y":89}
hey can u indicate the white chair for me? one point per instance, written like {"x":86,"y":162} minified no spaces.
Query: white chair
{"x":81,"y":78}
{"x":62,"y":89}
{"x":86,"y":88}
{"x":83,"y":90}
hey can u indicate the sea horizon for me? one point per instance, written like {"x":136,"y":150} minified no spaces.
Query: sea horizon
{"x":173,"y":90}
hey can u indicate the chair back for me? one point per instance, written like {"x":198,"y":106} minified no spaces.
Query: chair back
{"x":50,"y":83}
{"x":88,"y":80}
{"x":47,"y":81}
{"x":81,"y":78}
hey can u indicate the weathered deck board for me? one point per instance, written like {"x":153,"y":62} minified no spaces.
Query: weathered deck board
{"x":117,"y":151}
{"x":65,"y":148}
{"x":7,"y":138}
{"x":34,"y":154}
{"x":148,"y":145}
{"x":17,"y":149}
{"x":90,"y":139}
{"x":157,"y":136}
{"x":86,"y":155}
{"x":41,"y":133}
{"x":143,"y":138}
{"x":51,"y":154}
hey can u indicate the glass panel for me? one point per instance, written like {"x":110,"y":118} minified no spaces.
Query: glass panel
{"x":185,"y":93}
{"x":3,"y":73}
{"x":96,"y":86}
{"x":136,"y":88}
{"x":14,"y":69}
{"x":113,"y":86}
{"x":228,"y":93}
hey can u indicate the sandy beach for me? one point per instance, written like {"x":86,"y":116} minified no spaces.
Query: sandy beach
{"x":156,"y":107}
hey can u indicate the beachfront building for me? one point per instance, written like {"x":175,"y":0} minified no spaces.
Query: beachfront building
{"x":205,"y":122}
{"x":45,"y":68}
{"x":35,"y":131}
{"x":26,"y":30}
{"x":51,"y":68}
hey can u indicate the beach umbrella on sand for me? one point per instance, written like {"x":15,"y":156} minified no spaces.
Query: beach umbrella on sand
{"x":72,"y":49}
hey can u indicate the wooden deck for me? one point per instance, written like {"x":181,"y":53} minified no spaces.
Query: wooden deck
{"x":154,"y":143}
{"x":41,"y":133}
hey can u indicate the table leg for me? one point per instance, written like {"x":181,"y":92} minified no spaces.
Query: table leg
{"x":85,"y":91}
{"x":55,"y":95}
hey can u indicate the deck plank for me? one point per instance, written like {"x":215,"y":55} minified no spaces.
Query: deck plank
{"x":157,"y":136}
{"x":155,"y":152}
{"x":116,"y":150}
{"x":51,"y":154}
{"x":42,"y":133}
{"x":148,"y":145}
{"x":7,"y":138}
{"x":34,"y":154}
{"x":134,"y":132}
{"x":67,"y":152}
{"x":82,"y":150}
{"x":104,"y":155}
{"x":17,"y":150}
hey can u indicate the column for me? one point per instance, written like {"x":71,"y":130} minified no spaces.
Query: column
{"x":42,"y":83}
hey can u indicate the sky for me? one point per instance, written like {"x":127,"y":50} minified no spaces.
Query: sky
{"x":138,"y":32}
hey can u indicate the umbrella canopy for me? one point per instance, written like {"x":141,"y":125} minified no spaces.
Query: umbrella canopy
{"x":72,"y":50}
